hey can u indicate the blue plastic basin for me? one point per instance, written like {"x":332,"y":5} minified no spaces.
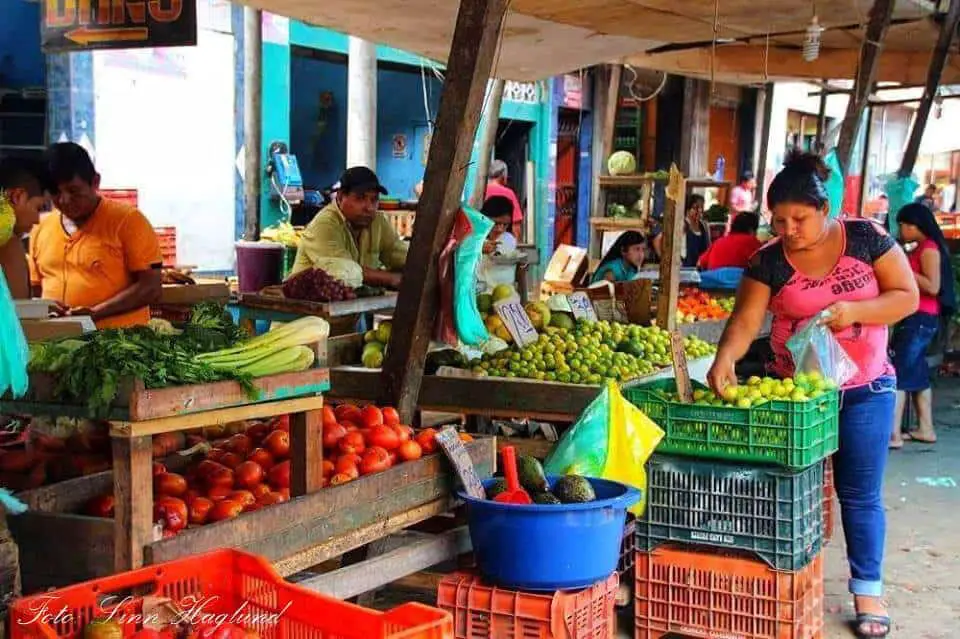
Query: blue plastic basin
{"x":550,"y":547}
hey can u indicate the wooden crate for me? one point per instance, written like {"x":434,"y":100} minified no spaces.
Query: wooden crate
{"x":270,"y":305}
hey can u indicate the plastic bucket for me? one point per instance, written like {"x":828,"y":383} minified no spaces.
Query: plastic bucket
{"x":259,"y":264}
{"x":549,"y":547}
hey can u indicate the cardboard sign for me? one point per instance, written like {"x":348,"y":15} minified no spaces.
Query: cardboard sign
{"x":681,"y":371}
{"x":517,"y":321}
{"x":72,"y":25}
{"x":453,"y":448}
{"x":582,"y":307}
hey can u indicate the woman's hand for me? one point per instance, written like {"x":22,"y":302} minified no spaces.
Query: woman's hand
{"x":721,"y":374}
{"x":841,"y":315}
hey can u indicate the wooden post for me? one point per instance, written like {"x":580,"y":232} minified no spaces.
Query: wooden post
{"x":252,"y":114}
{"x":880,"y":16}
{"x":306,"y":447}
{"x":947,"y":30}
{"x":764,"y":145}
{"x":821,"y":120}
{"x":605,"y":106}
{"x":695,"y":134}
{"x":488,"y":142}
{"x":865,"y":162}
{"x":475,"y":40}
{"x":673,"y":216}
{"x":133,"y":499}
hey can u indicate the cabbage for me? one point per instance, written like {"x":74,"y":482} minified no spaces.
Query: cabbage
{"x":621,"y":163}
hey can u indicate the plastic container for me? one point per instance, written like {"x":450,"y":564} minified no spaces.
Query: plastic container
{"x":225,"y":582}
{"x":775,"y":513}
{"x":829,"y":501}
{"x":700,"y":594}
{"x":791,"y":434}
{"x":485,"y":612}
{"x":547,"y":547}
{"x":628,"y":548}
{"x":259,"y":264}
{"x":167,"y":239}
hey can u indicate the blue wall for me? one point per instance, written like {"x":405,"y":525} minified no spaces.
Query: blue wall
{"x":21,"y":61}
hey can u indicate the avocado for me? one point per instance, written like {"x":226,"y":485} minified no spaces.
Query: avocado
{"x":630,"y":348}
{"x":573,"y":489}
{"x":545,"y":498}
{"x":531,"y":475}
{"x":498,"y":486}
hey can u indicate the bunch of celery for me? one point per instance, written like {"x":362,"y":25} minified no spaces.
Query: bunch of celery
{"x":282,"y":350}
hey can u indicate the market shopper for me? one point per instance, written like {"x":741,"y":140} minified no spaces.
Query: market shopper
{"x":500,"y":242}
{"x":624,"y":259}
{"x":25,"y":186}
{"x":497,"y":186}
{"x":857,"y":273}
{"x":696,"y":233}
{"x":930,"y":262}
{"x":735,"y":248}
{"x":352,"y":228}
{"x":93,"y":256}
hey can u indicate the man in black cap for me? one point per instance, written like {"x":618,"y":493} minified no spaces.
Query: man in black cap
{"x":352,"y":228}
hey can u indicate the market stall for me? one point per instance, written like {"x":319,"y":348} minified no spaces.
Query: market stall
{"x":271,"y":305}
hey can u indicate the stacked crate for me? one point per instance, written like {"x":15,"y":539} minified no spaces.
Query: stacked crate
{"x":730,"y":542}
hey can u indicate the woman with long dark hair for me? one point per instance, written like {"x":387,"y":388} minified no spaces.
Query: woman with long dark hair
{"x":930,"y":261}
{"x":623,"y":260}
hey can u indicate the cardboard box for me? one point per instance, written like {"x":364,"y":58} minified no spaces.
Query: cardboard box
{"x":565,"y":272}
{"x":55,"y":328}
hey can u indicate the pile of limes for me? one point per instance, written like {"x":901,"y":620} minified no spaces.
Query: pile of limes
{"x":758,"y":390}
{"x":590,"y":353}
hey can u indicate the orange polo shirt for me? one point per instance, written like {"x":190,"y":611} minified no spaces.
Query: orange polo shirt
{"x":97,"y":261}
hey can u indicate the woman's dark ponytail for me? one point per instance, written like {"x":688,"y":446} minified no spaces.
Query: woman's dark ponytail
{"x":801,"y":181}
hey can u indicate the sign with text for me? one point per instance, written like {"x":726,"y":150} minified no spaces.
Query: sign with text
{"x":516,"y":320}
{"x":453,"y":448}
{"x":84,"y":25}
{"x":582,"y":307}
{"x":681,"y":372}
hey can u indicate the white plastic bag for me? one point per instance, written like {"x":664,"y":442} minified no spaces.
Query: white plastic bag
{"x":815,"y":349}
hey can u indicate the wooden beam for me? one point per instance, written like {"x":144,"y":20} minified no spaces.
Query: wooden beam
{"x":865,"y":162}
{"x":475,"y":39}
{"x":821,"y":121}
{"x":488,"y":141}
{"x":934,"y":75}
{"x":673,"y":217}
{"x":695,"y":133}
{"x":764,"y":144}
{"x":880,"y":16}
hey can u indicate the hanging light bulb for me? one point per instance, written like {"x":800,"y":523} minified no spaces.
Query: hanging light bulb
{"x":811,"y":42}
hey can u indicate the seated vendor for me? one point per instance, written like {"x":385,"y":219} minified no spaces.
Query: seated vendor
{"x":93,"y":256}
{"x":624,"y":259}
{"x":25,"y":187}
{"x":734,"y":249}
{"x":351,"y":227}
{"x":500,"y":242}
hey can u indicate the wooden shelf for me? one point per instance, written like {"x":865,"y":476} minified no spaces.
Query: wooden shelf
{"x":625,"y":181}
{"x":616,"y":223}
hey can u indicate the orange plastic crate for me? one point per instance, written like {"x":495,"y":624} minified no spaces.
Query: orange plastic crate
{"x":127,"y":196}
{"x":486,"y":612}
{"x":167,"y":238}
{"x":231,"y":582}
{"x":718,"y":595}
{"x":829,"y":501}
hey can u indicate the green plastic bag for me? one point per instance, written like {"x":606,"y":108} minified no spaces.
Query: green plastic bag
{"x":899,"y":192}
{"x":14,"y":351}
{"x":612,"y":439}
{"x":834,"y":184}
{"x":466,"y":315}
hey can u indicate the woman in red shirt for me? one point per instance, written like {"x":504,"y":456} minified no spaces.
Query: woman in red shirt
{"x":734,"y":249}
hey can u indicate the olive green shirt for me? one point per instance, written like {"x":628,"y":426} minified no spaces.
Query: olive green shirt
{"x":328,"y":236}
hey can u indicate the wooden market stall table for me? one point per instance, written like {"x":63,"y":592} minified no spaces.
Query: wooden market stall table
{"x":176,"y":300}
{"x":270,"y":305}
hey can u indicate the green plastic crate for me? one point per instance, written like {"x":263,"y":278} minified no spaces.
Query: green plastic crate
{"x":776,"y":514}
{"x":791,"y":434}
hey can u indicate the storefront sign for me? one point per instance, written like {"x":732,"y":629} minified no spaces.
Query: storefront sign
{"x":84,"y":25}
{"x":517,"y":321}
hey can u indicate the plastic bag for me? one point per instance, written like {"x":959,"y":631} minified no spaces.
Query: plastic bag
{"x":727,"y":278}
{"x":14,"y":351}
{"x":466,"y":316}
{"x":815,"y":349}
{"x":444,"y":330}
{"x":612,"y":439}
{"x":899,"y":191}
{"x":834,"y":184}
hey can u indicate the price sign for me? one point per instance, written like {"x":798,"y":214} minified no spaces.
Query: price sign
{"x":517,"y":321}
{"x":680,"y":370}
{"x":453,"y":448}
{"x":582,"y":307}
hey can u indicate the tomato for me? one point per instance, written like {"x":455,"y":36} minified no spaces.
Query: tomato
{"x":390,"y":416}
{"x":374,"y":460}
{"x":410,"y":451}
{"x":466,"y":437}
{"x":248,"y":474}
{"x":279,"y":475}
{"x":101,"y":506}
{"x":242,"y":497}
{"x":225,"y":509}
{"x":191,"y":494}
{"x":158,"y":468}
{"x":260,"y":490}
{"x":384,"y":437}
{"x":329,"y":417}
{"x":347,"y":465}
{"x":281,"y":423}
{"x":278,"y":443}
{"x":221,"y":477}
{"x":404,"y":433}
{"x":371,"y":416}
{"x":352,"y":443}
{"x":208,"y":466}
{"x":231,"y":460}
{"x":170,"y":484}
{"x":347,"y":412}
{"x":328,"y":469}
{"x":271,"y":498}
{"x":257,"y":432}
{"x":262,"y":457}
{"x":332,"y":433}
{"x":349,"y":426}
{"x":393,"y":457}
{"x":171,"y":512}
{"x":284,"y":494}
{"x":340,"y":478}
{"x":219,"y":493}
{"x":103,"y":629}
{"x":216,"y":454}
{"x":240,"y":444}
{"x":199,"y":510}
{"x":150,"y":633}
{"x":427,"y":440}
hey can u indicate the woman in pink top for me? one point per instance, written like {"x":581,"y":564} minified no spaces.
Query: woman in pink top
{"x":497,"y":187}
{"x":857,"y":272}
{"x":930,"y":261}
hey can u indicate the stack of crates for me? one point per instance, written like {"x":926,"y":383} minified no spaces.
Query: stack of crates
{"x":730,"y":542}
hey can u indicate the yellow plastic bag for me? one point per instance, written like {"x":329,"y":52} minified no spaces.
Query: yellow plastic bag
{"x":612,"y":439}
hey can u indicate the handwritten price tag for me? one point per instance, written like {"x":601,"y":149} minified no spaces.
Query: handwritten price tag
{"x":517,"y":321}
{"x":680,"y":370}
{"x":459,"y":457}
{"x":582,"y":307}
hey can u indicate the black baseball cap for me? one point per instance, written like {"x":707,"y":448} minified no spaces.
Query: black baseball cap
{"x":359,"y":179}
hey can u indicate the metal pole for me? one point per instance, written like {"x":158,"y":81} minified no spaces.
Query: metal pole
{"x":362,"y":104}
{"x":252,"y":121}
{"x":491,"y":120}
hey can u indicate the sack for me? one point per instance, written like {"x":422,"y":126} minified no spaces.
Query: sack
{"x":14,"y":351}
{"x":445,"y":331}
{"x":612,"y":439}
{"x":466,"y":316}
{"x":815,"y":350}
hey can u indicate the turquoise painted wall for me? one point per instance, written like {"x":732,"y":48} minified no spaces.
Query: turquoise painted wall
{"x":276,"y":116}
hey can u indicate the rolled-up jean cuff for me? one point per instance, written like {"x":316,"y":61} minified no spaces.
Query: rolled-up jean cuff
{"x":866,"y":588}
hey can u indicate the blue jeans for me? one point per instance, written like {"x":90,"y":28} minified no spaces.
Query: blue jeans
{"x":866,"y":418}
{"x":911,"y":338}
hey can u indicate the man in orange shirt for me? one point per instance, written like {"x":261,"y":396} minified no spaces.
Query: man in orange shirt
{"x":94,"y":256}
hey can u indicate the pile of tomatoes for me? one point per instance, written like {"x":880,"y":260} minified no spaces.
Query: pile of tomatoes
{"x":363,"y":441}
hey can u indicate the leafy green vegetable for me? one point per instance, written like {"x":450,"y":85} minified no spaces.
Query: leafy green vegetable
{"x":211,"y":328}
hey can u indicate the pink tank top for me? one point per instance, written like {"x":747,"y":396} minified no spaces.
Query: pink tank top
{"x":796,"y":298}
{"x":929,"y":304}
